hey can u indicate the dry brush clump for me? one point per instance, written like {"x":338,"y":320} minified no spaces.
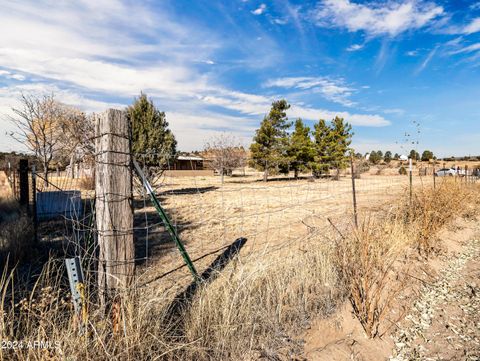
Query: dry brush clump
{"x":365,"y":258}
{"x":368,"y":257}
{"x":432,"y":208}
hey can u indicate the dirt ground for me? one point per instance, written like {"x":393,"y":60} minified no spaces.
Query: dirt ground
{"x":436,"y":318}
{"x":274,"y":215}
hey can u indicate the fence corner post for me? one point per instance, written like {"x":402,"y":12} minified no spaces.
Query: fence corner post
{"x":114,"y":204}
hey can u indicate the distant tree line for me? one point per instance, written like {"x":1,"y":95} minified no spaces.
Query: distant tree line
{"x":377,"y":157}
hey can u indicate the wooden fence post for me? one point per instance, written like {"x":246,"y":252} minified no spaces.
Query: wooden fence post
{"x":34,"y":204}
{"x":23,"y":175}
{"x":113,"y":206}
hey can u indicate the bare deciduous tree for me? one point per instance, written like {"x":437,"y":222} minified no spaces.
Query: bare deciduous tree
{"x":52,"y":130}
{"x":226,"y":153}
{"x":37,"y":121}
{"x":76,"y":136}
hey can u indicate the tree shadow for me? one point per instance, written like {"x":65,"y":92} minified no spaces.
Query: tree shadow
{"x":285,"y":179}
{"x":183,"y":299}
{"x":190,"y":190}
{"x":151,"y":239}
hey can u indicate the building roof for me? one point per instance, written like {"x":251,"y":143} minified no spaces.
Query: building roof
{"x":184,"y":157}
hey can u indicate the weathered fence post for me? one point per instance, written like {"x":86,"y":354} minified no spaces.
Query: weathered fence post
{"x":23,"y":174}
{"x":113,"y":206}
{"x":34,"y":203}
{"x":14,"y":184}
{"x":434,"y":179}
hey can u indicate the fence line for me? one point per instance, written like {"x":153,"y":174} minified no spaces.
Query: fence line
{"x":209,"y":215}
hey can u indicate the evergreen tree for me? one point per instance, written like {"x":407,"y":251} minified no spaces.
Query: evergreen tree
{"x":322,"y":138}
{"x":152,"y":141}
{"x":341,"y":138}
{"x":388,"y":157}
{"x":427,"y":155}
{"x":300,"y":151}
{"x":375,"y":157}
{"x":331,"y":144}
{"x":414,"y":155}
{"x":268,"y":150}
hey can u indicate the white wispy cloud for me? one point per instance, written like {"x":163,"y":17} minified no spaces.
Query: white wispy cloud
{"x":280,"y":21}
{"x":10,"y":75}
{"x":355,"y":47}
{"x":467,"y":49}
{"x":376,"y":18}
{"x":260,"y":10}
{"x":397,"y":111}
{"x":473,"y":27}
{"x":333,"y":90}
{"x":475,"y":6}
{"x":426,"y":61}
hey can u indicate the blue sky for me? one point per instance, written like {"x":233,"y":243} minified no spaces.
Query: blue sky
{"x":216,"y":66}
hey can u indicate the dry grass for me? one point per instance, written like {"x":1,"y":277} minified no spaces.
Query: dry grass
{"x":254,"y":307}
{"x":16,"y":232}
{"x":250,"y":307}
{"x":430,"y":209}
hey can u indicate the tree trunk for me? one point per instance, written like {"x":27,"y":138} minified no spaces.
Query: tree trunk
{"x":295,"y":173}
{"x":45,"y":171}
{"x":72,"y":163}
{"x":337,"y":174}
{"x":265,"y":173}
{"x":223,"y":175}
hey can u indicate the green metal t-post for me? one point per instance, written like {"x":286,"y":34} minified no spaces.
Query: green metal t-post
{"x":166,"y":221}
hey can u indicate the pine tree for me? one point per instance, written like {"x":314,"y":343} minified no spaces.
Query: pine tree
{"x":414,"y":155}
{"x":375,"y":157}
{"x":427,"y":155}
{"x":341,"y":138}
{"x":322,"y":138}
{"x":300,"y":151}
{"x":152,"y":143}
{"x":388,"y":156}
{"x":268,"y":150}
{"x":331,"y":145}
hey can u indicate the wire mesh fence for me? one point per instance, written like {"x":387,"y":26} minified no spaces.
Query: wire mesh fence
{"x":209,"y":211}
{"x":209,"y":214}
